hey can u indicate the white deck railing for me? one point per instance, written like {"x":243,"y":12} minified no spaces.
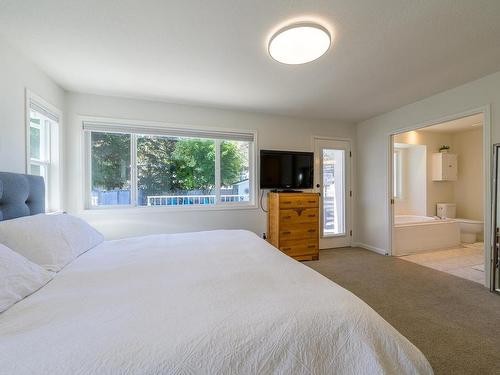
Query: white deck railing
{"x":190,"y":200}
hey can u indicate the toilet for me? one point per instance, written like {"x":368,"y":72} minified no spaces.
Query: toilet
{"x":469,"y":229}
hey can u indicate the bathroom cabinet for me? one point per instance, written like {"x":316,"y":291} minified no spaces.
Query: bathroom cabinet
{"x":444,"y":167}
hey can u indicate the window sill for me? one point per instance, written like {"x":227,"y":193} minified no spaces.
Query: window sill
{"x":164,"y":209}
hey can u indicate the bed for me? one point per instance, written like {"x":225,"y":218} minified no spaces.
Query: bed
{"x":217,"y":302}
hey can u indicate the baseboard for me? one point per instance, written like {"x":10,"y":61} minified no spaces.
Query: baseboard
{"x":369,"y":247}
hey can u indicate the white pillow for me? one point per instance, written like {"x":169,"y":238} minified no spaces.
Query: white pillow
{"x":51,"y":241}
{"x":18,"y":277}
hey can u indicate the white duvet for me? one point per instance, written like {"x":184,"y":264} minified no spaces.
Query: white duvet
{"x":221,"y":302}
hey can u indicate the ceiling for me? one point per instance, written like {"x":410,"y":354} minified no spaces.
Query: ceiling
{"x":458,"y":125}
{"x":386,"y":53}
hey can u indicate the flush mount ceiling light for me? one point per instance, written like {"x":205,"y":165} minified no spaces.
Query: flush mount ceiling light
{"x":299,"y":43}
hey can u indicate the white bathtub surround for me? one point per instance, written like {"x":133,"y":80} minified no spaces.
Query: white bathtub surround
{"x":413,"y":219}
{"x":413,"y":234}
{"x":465,"y":261}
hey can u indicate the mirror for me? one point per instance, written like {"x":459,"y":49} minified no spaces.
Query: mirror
{"x":495,"y":230}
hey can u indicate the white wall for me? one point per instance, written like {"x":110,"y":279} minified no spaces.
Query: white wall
{"x":372,"y":137}
{"x":274,"y":132}
{"x":16,"y":74}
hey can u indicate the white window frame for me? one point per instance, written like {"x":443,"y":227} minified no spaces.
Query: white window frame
{"x":135,"y":128}
{"x":51,"y":140}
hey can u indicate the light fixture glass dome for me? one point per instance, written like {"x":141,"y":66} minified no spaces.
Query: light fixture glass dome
{"x":299,"y":43}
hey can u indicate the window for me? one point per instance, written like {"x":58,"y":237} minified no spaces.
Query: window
{"x":43,"y":146}
{"x":138,"y":166}
{"x":398,"y":173}
{"x":111,"y":183}
{"x":333,"y":176}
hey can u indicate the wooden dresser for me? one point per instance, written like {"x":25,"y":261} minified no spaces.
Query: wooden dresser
{"x":293,"y":224}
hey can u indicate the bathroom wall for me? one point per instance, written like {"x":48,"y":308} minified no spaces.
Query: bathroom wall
{"x":436,"y":192}
{"x":468,"y":189}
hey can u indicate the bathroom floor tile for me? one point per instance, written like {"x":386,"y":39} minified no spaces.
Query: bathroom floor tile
{"x":466,"y":261}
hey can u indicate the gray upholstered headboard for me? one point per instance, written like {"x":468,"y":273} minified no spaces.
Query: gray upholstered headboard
{"x":21,"y":195}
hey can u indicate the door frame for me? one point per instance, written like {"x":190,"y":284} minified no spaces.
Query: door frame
{"x":487,"y":180}
{"x":349,"y":209}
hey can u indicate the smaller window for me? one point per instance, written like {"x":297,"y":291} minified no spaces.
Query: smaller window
{"x":43,"y":146}
{"x":398,"y":173}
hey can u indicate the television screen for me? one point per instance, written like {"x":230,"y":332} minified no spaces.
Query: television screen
{"x":286,"y":169}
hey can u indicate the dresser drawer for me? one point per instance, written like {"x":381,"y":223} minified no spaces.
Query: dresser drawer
{"x":298,"y":231}
{"x":299,"y":247}
{"x":297,"y":201}
{"x":299,"y":215}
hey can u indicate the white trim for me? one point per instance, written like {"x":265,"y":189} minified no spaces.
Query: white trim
{"x":487,"y":172}
{"x":377,"y":250}
{"x":217,"y":174}
{"x":164,"y":127}
{"x":122,"y":123}
{"x":150,"y":209}
{"x":54,"y":168}
{"x":133,"y":170}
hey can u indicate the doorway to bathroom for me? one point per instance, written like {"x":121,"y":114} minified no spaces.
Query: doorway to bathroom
{"x":438,"y":194}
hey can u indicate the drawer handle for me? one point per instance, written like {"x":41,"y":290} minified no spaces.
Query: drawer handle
{"x":311,"y":215}
{"x":287,"y":217}
{"x":287,"y":233}
{"x":312,"y":230}
{"x":311,"y":201}
{"x":286,"y":248}
{"x":287,"y":202}
{"x":299,"y":211}
{"x":311,"y":246}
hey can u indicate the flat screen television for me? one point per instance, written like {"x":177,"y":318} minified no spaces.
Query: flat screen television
{"x":286,"y":169}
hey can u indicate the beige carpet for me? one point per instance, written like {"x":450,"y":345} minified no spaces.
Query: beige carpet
{"x":454,"y":322}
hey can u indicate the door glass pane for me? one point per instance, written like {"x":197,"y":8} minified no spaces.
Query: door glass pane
{"x":110,"y":169}
{"x":234,"y":170}
{"x":173,"y":171}
{"x":333,"y":174}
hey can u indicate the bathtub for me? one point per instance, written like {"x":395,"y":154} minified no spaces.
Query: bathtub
{"x":413,"y":234}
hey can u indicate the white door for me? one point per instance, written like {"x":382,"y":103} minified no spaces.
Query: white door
{"x":332,"y":176}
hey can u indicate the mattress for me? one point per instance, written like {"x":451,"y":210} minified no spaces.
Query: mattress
{"x":218,"y":302}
